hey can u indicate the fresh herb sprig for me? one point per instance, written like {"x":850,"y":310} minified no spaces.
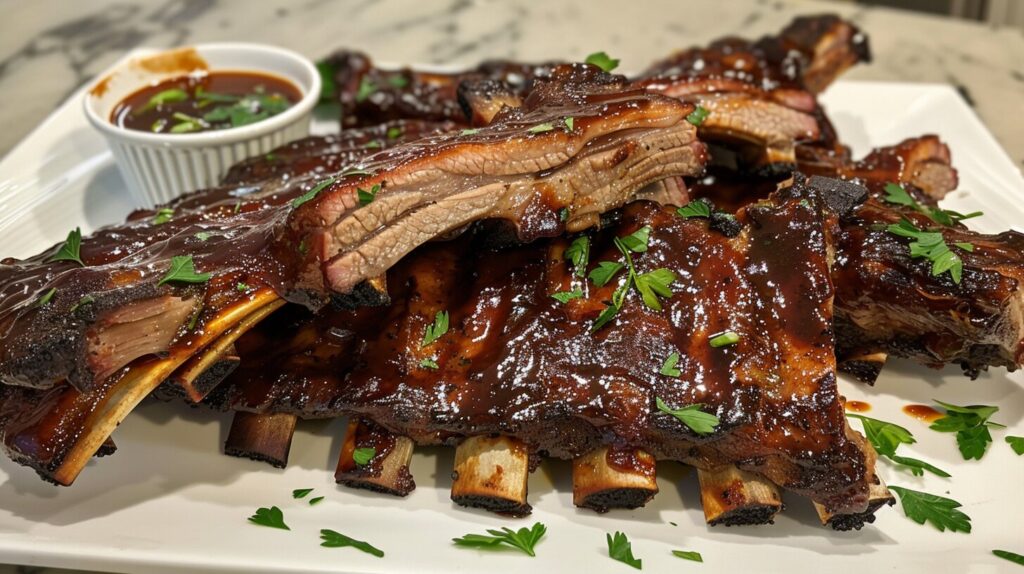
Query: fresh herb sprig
{"x":696,"y":208}
{"x":524,"y":539}
{"x":619,"y":548}
{"x":668,"y":368}
{"x":71,"y":249}
{"x":333,"y":539}
{"x":652,"y":285}
{"x":697,"y":420}
{"x":578,"y":253}
{"x":1016,"y":443}
{"x":886,"y":438}
{"x":688,"y":555}
{"x":183,"y":270}
{"x":566,"y":296}
{"x":897,"y":195}
{"x":270,"y":517}
{"x":971,"y":424}
{"x":940,"y":512}
{"x":435,"y":330}
{"x":363,"y":455}
{"x":932,"y":246}
{"x":1011,"y":556}
{"x":603,"y":61}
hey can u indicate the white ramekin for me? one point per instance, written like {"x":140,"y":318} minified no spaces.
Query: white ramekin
{"x":161,"y":167}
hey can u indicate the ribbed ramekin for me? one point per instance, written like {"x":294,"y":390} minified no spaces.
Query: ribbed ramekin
{"x":161,"y":167}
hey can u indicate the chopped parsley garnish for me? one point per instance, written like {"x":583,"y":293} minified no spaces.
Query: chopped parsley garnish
{"x":1016,"y":443}
{"x":309,"y":195}
{"x":541,"y":128}
{"x":332,"y":539}
{"x":897,"y":195}
{"x":271,"y":517}
{"x":605,"y":272}
{"x":941,"y":512}
{"x":202,"y":236}
{"x":698,"y":115}
{"x":524,"y":539}
{"x":301,"y":492}
{"x":469,"y":132}
{"x":1011,"y":556}
{"x":566,"y":296}
{"x":638,"y":240}
{"x":70,"y":250}
{"x":932,"y":246}
{"x":398,"y":81}
{"x":429,"y":363}
{"x":568,"y":124}
{"x":619,"y":548}
{"x":724,"y":339}
{"x":242,"y":287}
{"x":366,"y":89}
{"x":394,"y":132}
{"x":45,"y":299}
{"x":654,"y":284}
{"x":363,"y":456}
{"x":688,"y":555}
{"x":187,"y":123}
{"x":366,"y":197}
{"x":316,"y":500}
{"x":699,"y":421}
{"x":373,"y":144}
{"x":971,"y":426}
{"x":603,"y":61}
{"x":696,"y":208}
{"x":650,"y":285}
{"x":578,"y":253}
{"x":163,"y":216}
{"x":183,"y":271}
{"x":164,"y":97}
{"x":668,"y":368}
{"x":886,"y":437}
{"x":435,"y":330}
{"x":563,"y":214}
{"x":86,"y":300}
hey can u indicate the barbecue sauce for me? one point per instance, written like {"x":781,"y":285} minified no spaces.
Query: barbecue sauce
{"x":923,"y":413}
{"x":857,"y":406}
{"x":205,"y":101}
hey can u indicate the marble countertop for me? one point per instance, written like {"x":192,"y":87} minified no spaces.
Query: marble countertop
{"x":49,"y":48}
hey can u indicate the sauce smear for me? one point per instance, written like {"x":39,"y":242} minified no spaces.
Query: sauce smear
{"x":205,"y":101}
{"x":923,"y":413}
{"x":857,"y":406}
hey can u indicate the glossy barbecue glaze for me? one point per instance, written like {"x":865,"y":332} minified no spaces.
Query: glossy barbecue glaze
{"x":516,"y":361}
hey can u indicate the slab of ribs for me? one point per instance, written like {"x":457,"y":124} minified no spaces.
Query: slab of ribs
{"x":526,"y":261}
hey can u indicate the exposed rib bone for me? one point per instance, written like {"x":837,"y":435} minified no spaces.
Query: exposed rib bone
{"x":734,"y":497}
{"x":206,"y":369}
{"x":878,"y":495}
{"x":105,"y":414}
{"x":608,"y":478}
{"x":491,"y":473}
{"x":864,"y":366}
{"x":388,"y":469}
{"x":266,"y":438}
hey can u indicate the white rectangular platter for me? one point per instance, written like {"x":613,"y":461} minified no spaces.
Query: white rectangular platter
{"x":168,"y":501}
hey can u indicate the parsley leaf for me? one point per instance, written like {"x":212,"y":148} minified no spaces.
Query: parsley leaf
{"x":886,"y":437}
{"x":654,"y":284}
{"x":724,"y":339}
{"x":699,"y":421}
{"x":695,"y":209}
{"x":398,"y":81}
{"x":698,"y":115}
{"x":578,"y":253}
{"x":394,"y":132}
{"x":162,"y":216}
{"x":183,"y":271}
{"x":605,"y":272}
{"x":301,"y":492}
{"x":941,"y":512}
{"x":897,"y":195}
{"x":332,"y":539}
{"x":469,"y":132}
{"x":568,"y":124}
{"x":1016,"y":443}
{"x":366,"y":89}
{"x":566,"y":296}
{"x":202,"y":235}
{"x":429,"y":363}
{"x":437,"y":329}
{"x":1011,"y":556}
{"x":242,"y":287}
{"x":315,"y":501}
{"x":271,"y":517}
{"x":363,"y":456}
{"x":619,"y":548}
{"x":638,"y":240}
{"x":932,"y":246}
{"x":688,"y":555}
{"x":164,"y":97}
{"x":45,"y":299}
{"x":70,"y":250}
{"x":971,"y":426}
{"x":525,"y":539}
{"x":668,"y":368}
{"x":603,"y":61}
{"x":541,"y":128}
{"x":85,"y":300}
{"x":367,"y":197}
{"x":309,"y":195}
